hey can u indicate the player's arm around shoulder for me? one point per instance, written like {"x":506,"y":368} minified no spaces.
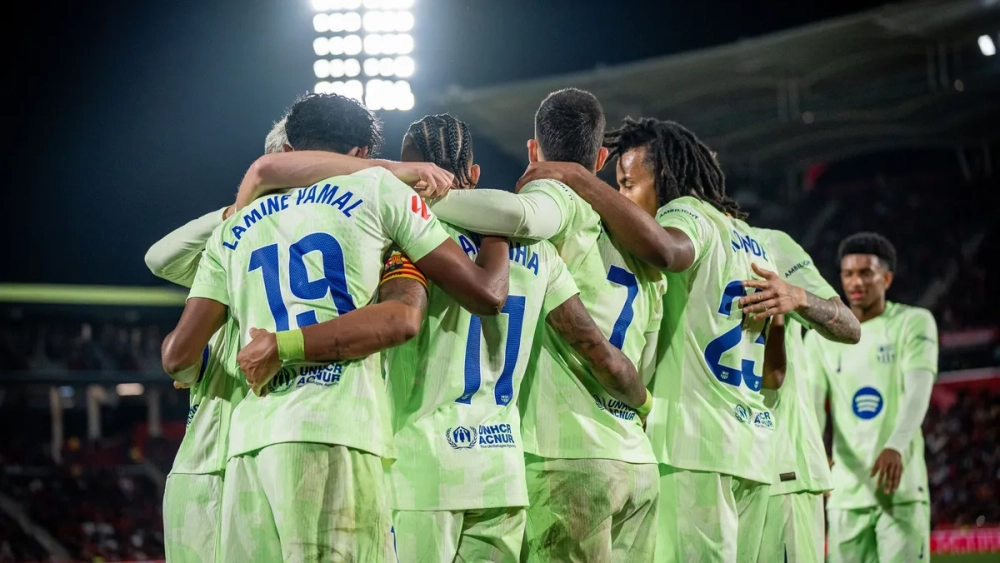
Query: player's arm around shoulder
{"x":175,"y":257}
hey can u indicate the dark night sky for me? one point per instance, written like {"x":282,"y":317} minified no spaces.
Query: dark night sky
{"x":128,"y":118}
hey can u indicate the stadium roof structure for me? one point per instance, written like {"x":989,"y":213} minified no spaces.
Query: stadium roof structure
{"x":900,"y":76}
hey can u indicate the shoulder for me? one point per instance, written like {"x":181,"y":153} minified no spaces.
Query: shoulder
{"x":908,"y":314}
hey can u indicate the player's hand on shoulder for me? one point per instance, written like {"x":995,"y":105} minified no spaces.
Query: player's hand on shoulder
{"x":259,"y":359}
{"x":428,"y":179}
{"x":888,"y":468}
{"x":774,"y":296}
{"x":563,"y":172}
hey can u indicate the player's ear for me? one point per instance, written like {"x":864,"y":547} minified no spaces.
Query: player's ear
{"x":532,"y":150}
{"x":286,"y":148}
{"x":474,"y":175}
{"x":602,"y":157}
{"x":888,"y":279}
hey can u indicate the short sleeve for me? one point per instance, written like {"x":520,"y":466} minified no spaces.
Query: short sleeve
{"x":406,"y":218}
{"x":920,"y":342}
{"x":656,"y":306}
{"x":689,"y":220}
{"x":399,"y":266}
{"x":796,"y":266}
{"x":560,"y":285}
{"x":564,"y":197}
{"x":210,"y":280}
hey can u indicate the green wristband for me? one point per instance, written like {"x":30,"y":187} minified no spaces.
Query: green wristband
{"x":291,"y":345}
{"x":646,"y":407}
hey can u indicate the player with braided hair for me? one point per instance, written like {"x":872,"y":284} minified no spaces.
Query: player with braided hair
{"x":459,"y":489}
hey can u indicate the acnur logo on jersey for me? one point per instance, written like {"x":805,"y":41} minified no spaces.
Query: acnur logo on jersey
{"x":867,"y":403}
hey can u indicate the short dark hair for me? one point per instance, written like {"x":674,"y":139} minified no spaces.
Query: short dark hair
{"x":444,"y":140}
{"x":869,"y":243}
{"x":334,"y":123}
{"x":680,"y":162}
{"x":569,"y":127}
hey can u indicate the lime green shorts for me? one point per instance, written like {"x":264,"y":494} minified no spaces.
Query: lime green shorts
{"x":590,"y":510}
{"x":489,"y":534}
{"x":880,"y":534}
{"x":300,"y":502}
{"x":793,"y":529}
{"x":709,"y":517}
{"x":192,"y":516}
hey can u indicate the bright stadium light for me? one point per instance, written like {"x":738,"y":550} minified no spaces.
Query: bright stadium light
{"x":403,"y":21}
{"x":404,"y":67}
{"x":387,"y":66}
{"x":334,"y":45}
{"x":374,"y":44}
{"x":354,"y":89}
{"x":336,"y":22}
{"x":321,"y":5}
{"x":352,"y":45}
{"x":986,"y":45}
{"x":321,"y":46}
{"x":321,"y":68}
{"x":373,"y":4}
{"x":375,"y":21}
{"x":321,"y":23}
{"x":352,"y":67}
{"x":352,"y":21}
{"x":404,"y":96}
{"x":337,"y":68}
{"x":338,"y":87}
{"x":404,"y":43}
{"x":350,"y":4}
{"x":371,"y":67}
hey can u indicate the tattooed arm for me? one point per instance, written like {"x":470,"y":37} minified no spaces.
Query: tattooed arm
{"x":610,"y":366}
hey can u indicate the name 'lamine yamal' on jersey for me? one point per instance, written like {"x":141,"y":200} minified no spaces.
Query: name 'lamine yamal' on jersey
{"x":454,"y":389}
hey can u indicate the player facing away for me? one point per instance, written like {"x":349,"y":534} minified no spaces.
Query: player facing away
{"x":459,"y":491}
{"x":305,"y":481}
{"x":709,"y":427}
{"x":879,"y":390}
{"x":591,"y":474}
{"x":794,"y":529}
{"x":192,"y":498}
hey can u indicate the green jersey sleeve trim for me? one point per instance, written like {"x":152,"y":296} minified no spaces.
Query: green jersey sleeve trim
{"x":559,"y":290}
{"x":406,"y":218}
{"x":689,"y":221}
{"x":423,"y":246}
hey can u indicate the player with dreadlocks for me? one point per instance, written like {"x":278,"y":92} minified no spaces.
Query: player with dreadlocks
{"x":710,"y":428}
{"x":459,"y":489}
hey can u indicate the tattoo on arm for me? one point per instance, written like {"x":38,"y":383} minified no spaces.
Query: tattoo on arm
{"x":831,"y":319}
{"x":405,"y":290}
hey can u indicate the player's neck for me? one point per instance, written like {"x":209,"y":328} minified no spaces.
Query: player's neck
{"x":870,"y":312}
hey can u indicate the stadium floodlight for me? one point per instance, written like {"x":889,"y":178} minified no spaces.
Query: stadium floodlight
{"x":350,"y":4}
{"x":387,"y":66}
{"x":354,"y":89}
{"x":404,"y":43}
{"x":338,"y":87}
{"x":373,"y":4}
{"x":374,"y":44}
{"x":352,"y":21}
{"x":403,"y":21}
{"x":321,"y":68}
{"x":352,"y":67}
{"x":337,"y":68}
{"x":371,"y":67}
{"x":321,"y":5}
{"x":987,"y":46}
{"x":352,"y":45}
{"x":404,"y":96}
{"x":321,"y":23}
{"x":404,"y":67}
{"x":336,"y":22}
{"x":375,"y":21}
{"x":321,"y":46}
{"x":335,"y":45}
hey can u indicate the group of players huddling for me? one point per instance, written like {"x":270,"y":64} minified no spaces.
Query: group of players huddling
{"x":389,"y":365}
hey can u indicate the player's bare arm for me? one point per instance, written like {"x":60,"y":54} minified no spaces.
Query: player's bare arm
{"x":278,"y":171}
{"x":775,"y":360}
{"x":610,"y":366}
{"x":358,"y":334}
{"x":774,"y":296}
{"x":632,"y":227}
{"x":182,"y":348}
{"x":479,"y":287}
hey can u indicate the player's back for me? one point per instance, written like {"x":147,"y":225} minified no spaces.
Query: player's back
{"x":708,"y":412}
{"x":306,"y":256}
{"x":866,"y":382}
{"x":566,"y":414}
{"x":454,"y":389}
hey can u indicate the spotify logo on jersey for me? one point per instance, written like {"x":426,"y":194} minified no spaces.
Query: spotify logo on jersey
{"x":867,"y":403}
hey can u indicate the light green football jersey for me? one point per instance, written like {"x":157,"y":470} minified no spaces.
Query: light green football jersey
{"x":454,"y":389}
{"x":708,"y":412}
{"x":799,"y":456}
{"x":220,"y":388}
{"x":866,"y":383}
{"x":565,"y":413}
{"x":306,"y":256}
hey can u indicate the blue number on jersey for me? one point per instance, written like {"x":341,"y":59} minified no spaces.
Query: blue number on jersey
{"x":265,"y":259}
{"x":503,"y":392}
{"x":626,"y":278}
{"x":719,"y":346}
